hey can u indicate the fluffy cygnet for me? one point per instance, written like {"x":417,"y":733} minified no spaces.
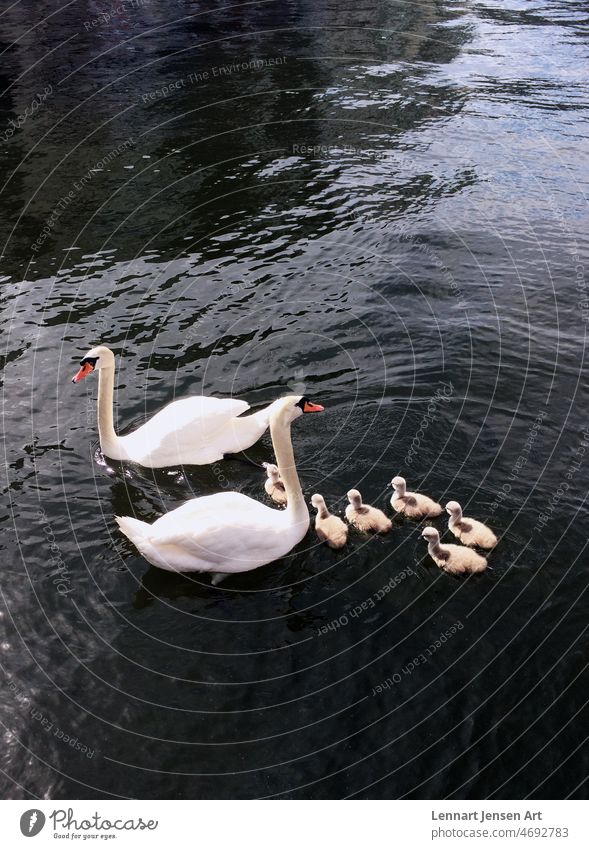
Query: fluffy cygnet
{"x":330,"y":529}
{"x":273,"y":485}
{"x":455,"y":559}
{"x":364,"y":517}
{"x":412,"y":504}
{"x":469,"y":531}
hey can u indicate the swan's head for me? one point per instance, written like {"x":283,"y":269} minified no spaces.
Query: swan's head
{"x":318,"y":501}
{"x":96,"y":358}
{"x":453,"y":508}
{"x":355,"y":499}
{"x":399,"y":483}
{"x":272,"y":472}
{"x":290,"y":408}
{"x":431,"y":535}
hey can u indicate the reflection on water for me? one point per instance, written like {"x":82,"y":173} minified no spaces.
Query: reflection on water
{"x":364,"y":203}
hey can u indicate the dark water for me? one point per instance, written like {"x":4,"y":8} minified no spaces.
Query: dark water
{"x":385,"y":206}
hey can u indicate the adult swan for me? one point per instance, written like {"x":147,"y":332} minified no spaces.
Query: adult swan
{"x":230,"y":532}
{"x":191,"y":431}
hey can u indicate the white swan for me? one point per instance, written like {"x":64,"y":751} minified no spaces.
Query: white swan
{"x":191,"y":431}
{"x":469,"y":531}
{"x":456,"y":559}
{"x":230,"y":532}
{"x":364,"y":517}
{"x":329,"y":528}
{"x":412,"y":504}
{"x":273,"y":485}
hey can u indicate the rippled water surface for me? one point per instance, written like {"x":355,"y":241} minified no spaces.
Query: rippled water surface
{"x":383,"y":205}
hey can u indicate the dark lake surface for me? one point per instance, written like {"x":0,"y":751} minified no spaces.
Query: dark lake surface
{"x":383,"y":205}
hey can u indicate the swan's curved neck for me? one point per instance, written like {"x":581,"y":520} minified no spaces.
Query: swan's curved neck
{"x":285,"y":460}
{"x":434,"y":547}
{"x":263,"y":416}
{"x":400,"y":490}
{"x":109,"y":441}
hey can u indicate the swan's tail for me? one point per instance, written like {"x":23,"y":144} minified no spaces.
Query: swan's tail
{"x":138,"y":532}
{"x":141,"y":535}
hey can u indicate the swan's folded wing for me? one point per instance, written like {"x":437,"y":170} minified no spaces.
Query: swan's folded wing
{"x":225,"y":552}
{"x":228,"y":549}
{"x":183,"y":426}
{"x":228,"y":509}
{"x":210,"y":414}
{"x":226,"y":532}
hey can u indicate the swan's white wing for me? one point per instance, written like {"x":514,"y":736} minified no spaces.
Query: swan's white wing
{"x":208,"y":414}
{"x":226,"y":532}
{"x":182,"y":429}
{"x":225,"y":508}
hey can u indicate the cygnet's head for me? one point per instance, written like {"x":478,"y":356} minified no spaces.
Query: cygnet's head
{"x":272,"y":472}
{"x":453,"y":508}
{"x":318,"y":501}
{"x":399,"y":482}
{"x":355,"y":498}
{"x":430,"y":534}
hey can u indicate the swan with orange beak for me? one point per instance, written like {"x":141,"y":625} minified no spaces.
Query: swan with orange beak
{"x":190,"y":431}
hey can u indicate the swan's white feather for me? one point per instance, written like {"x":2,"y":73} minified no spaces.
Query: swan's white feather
{"x":190,"y":430}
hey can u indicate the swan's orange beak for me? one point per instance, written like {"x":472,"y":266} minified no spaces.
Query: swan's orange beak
{"x":312,"y":408}
{"x":84,"y":372}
